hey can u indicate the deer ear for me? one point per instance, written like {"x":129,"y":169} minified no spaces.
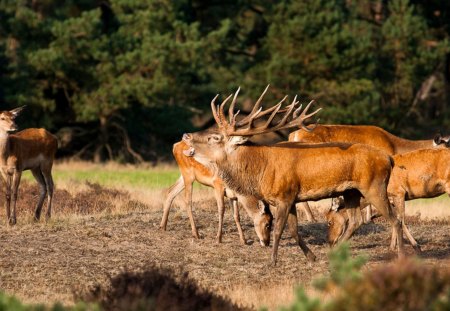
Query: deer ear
{"x":238,"y":140}
{"x":15,"y":112}
{"x":437,"y":139}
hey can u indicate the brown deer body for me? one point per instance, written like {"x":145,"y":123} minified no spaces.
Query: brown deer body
{"x":366,"y":134}
{"x":191,"y":171}
{"x":31,"y":149}
{"x":418,"y":174}
{"x":286,"y":173}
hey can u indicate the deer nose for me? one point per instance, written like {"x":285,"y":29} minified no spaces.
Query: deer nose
{"x":187,"y":136}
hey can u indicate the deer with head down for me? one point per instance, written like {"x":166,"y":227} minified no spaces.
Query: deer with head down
{"x":366,"y":134}
{"x":31,"y":149}
{"x":284,"y":174}
{"x":191,"y":171}
{"x":418,"y":174}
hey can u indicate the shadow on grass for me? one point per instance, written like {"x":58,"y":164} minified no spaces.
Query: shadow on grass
{"x":154,"y":289}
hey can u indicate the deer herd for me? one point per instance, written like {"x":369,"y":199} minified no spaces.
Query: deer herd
{"x":357,"y":166}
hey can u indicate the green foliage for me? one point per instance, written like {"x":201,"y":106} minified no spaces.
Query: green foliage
{"x":10,"y":303}
{"x":343,"y":268}
{"x":405,"y":285}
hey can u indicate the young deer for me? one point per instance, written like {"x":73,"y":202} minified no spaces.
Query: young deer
{"x":191,"y":171}
{"x":31,"y":149}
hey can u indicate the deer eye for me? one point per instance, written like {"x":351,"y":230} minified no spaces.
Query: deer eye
{"x":330,"y":223}
{"x":214,"y":139}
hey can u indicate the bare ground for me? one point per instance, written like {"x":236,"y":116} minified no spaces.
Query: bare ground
{"x":47,"y":262}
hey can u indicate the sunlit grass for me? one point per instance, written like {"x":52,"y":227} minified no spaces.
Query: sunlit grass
{"x":113,"y":175}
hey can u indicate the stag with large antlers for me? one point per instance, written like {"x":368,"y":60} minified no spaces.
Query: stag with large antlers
{"x":284,"y":174}
{"x":31,"y":149}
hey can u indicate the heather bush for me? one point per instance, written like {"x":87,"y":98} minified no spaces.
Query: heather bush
{"x":407,"y":285}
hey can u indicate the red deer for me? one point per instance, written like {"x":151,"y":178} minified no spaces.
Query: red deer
{"x":365,"y":134}
{"x":191,"y":171}
{"x":284,"y":174}
{"x":31,"y":149}
{"x":418,"y":174}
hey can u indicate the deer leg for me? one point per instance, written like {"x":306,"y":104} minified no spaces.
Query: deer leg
{"x":381,"y":203}
{"x":15,"y":188}
{"x":411,"y":239}
{"x":188,"y":203}
{"x":8,"y":182}
{"x":282,"y":212}
{"x":237,"y":220}
{"x":219,"y":193}
{"x":399,"y":203}
{"x":42,"y":192}
{"x":352,"y":202}
{"x":174,"y":190}
{"x":292,"y":224}
{"x":368,"y":214}
{"x":307,"y":209}
{"x":47,"y":173}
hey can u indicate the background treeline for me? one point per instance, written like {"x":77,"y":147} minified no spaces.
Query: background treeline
{"x":123,"y":79}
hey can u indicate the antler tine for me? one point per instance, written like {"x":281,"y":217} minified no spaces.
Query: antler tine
{"x":258,"y":102}
{"x":214,"y":110}
{"x":256,"y":107}
{"x":305,"y":116}
{"x":274,"y":113}
{"x":289,"y":109}
{"x":222,"y":117}
{"x":231,"y":115}
{"x":298,"y":120}
{"x":310,"y":129}
{"x":251,"y":117}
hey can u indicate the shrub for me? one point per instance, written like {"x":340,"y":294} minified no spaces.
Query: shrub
{"x":403,"y":285}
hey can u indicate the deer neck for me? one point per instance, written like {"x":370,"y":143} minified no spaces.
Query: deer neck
{"x":242,"y":170}
{"x":4,"y":147}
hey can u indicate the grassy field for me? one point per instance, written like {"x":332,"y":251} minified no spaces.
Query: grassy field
{"x":114,"y":175}
{"x":101,"y":230}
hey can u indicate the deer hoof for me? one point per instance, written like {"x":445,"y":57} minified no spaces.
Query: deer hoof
{"x":417,"y":249}
{"x":311,"y":257}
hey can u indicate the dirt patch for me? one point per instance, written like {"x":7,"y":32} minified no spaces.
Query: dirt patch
{"x":46,"y":262}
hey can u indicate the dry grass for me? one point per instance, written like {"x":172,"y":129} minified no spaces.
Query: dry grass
{"x":98,"y":232}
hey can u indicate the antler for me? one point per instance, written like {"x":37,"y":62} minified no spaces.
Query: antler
{"x":291,"y":117}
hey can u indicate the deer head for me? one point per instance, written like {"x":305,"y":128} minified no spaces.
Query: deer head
{"x":337,"y":221}
{"x":7,"y":118}
{"x":263,"y":224}
{"x":440,"y":140}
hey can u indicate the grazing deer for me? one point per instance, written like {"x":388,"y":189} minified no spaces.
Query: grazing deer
{"x":191,"y":171}
{"x":284,"y":174}
{"x":418,"y":174}
{"x":30,"y":149}
{"x":366,"y":134}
